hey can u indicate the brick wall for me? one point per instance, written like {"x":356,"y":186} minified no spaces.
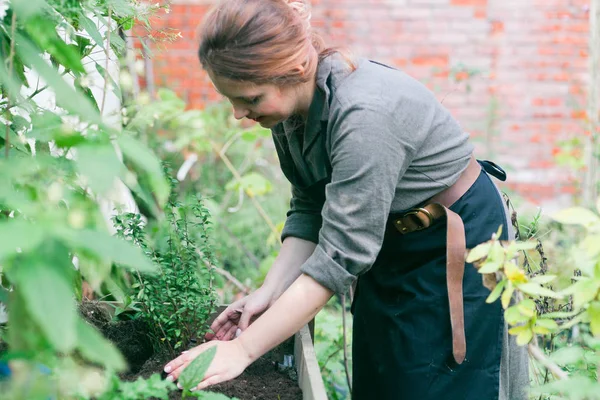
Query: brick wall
{"x":513,"y":72}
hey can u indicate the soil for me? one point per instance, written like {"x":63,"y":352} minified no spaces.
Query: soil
{"x":263,"y":379}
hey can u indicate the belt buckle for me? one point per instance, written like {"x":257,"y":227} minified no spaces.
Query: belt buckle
{"x":403,"y":228}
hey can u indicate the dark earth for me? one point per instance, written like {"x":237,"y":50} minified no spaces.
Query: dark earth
{"x":262,"y":380}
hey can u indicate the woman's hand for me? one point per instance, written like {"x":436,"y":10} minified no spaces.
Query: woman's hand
{"x":231,"y":359}
{"x":240,"y":314}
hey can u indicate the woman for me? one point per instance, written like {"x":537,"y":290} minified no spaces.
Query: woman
{"x":374,"y":161}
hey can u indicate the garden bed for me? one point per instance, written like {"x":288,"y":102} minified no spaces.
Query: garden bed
{"x":267,"y":378}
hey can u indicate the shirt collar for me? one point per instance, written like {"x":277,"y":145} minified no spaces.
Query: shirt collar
{"x":318,"y":111}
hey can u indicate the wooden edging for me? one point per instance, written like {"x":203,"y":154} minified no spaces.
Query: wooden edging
{"x":307,"y":366}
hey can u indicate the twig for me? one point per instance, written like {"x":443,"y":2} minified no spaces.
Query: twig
{"x":107,"y":54}
{"x":328,"y":359}
{"x":345,"y":343}
{"x":232,"y":279}
{"x":237,"y":176}
{"x":11,"y":55}
{"x":539,"y":355}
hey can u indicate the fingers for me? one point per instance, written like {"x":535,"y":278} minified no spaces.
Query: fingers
{"x":245,"y":319}
{"x":175,"y":366}
{"x":231,"y":313}
{"x":221,"y":334}
{"x":230,"y":335}
{"x":213,"y":380}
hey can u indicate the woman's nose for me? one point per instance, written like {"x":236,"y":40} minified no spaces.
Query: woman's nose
{"x":239,"y":112}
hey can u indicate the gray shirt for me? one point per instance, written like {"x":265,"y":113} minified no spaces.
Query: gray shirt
{"x":375,"y":141}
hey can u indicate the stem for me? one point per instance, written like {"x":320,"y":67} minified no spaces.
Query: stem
{"x":232,"y":279}
{"x":107,"y":54}
{"x":348,"y":379}
{"x":539,"y":355}
{"x":11,"y":55}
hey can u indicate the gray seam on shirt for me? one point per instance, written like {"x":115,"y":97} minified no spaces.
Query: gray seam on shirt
{"x":430,"y":178}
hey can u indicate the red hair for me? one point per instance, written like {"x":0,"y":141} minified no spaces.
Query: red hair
{"x":261,"y":41}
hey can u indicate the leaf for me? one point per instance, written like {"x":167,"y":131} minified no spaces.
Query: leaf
{"x":45,"y":286}
{"x":66,"y":96}
{"x":547,"y":323}
{"x":107,"y":247}
{"x":100,"y":164}
{"x":17,"y":233}
{"x":524,"y":337}
{"x":594,"y":315}
{"x":253,"y":184}
{"x":541,"y":330}
{"x":28,"y":8}
{"x":534,"y":289}
{"x":591,"y":245}
{"x":116,"y":88}
{"x":144,"y":159}
{"x":543,"y":279}
{"x":479,"y":252}
{"x":507,"y":295}
{"x":513,"y":316}
{"x":568,"y":355}
{"x":518,"y":329}
{"x":496,"y":292}
{"x":490,"y":266}
{"x":96,"y":348}
{"x":576,"y":216}
{"x":584,"y":291}
{"x":193,"y":374}
{"x":43,"y":32}
{"x":527,"y":308}
{"x":90,"y":27}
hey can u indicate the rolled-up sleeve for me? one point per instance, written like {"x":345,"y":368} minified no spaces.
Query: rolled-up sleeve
{"x":304,"y":217}
{"x":368,"y":154}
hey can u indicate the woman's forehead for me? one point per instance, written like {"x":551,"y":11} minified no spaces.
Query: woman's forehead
{"x":234,"y":88}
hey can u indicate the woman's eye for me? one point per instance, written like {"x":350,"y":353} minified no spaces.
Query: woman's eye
{"x":254,"y":100}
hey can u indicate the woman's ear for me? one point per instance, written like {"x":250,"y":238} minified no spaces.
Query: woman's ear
{"x":299,"y":69}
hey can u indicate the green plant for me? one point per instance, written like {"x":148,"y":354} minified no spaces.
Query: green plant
{"x":60,"y":159}
{"x":329,"y":346}
{"x":556,"y":315}
{"x":179,"y":299}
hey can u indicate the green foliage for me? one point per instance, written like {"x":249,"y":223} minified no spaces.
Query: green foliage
{"x":141,"y":389}
{"x":560,"y":311}
{"x":329,"y":346}
{"x":179,"y":299}
{"x":58,"y":163}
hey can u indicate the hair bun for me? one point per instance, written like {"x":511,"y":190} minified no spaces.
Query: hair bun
{"x":302,"y":7}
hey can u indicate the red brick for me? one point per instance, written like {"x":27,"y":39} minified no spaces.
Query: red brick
{"x":434,"y":61}
{"x":468,"y":2}
{"x":533,"y":63}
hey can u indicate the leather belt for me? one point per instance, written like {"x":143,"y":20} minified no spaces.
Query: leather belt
{"x":421,"y":218}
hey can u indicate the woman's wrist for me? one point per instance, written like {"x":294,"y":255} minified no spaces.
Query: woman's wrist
{"x":245,"y":350}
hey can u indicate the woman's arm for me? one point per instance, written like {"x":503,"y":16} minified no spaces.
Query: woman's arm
{"x":286,"y":268}
{"x":296,"y":307}
{"x":284,"y":271}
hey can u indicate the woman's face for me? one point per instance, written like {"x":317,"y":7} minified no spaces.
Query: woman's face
{"x":266,"y":104}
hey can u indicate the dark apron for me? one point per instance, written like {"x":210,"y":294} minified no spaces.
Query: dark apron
{"x":402,"y":342}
